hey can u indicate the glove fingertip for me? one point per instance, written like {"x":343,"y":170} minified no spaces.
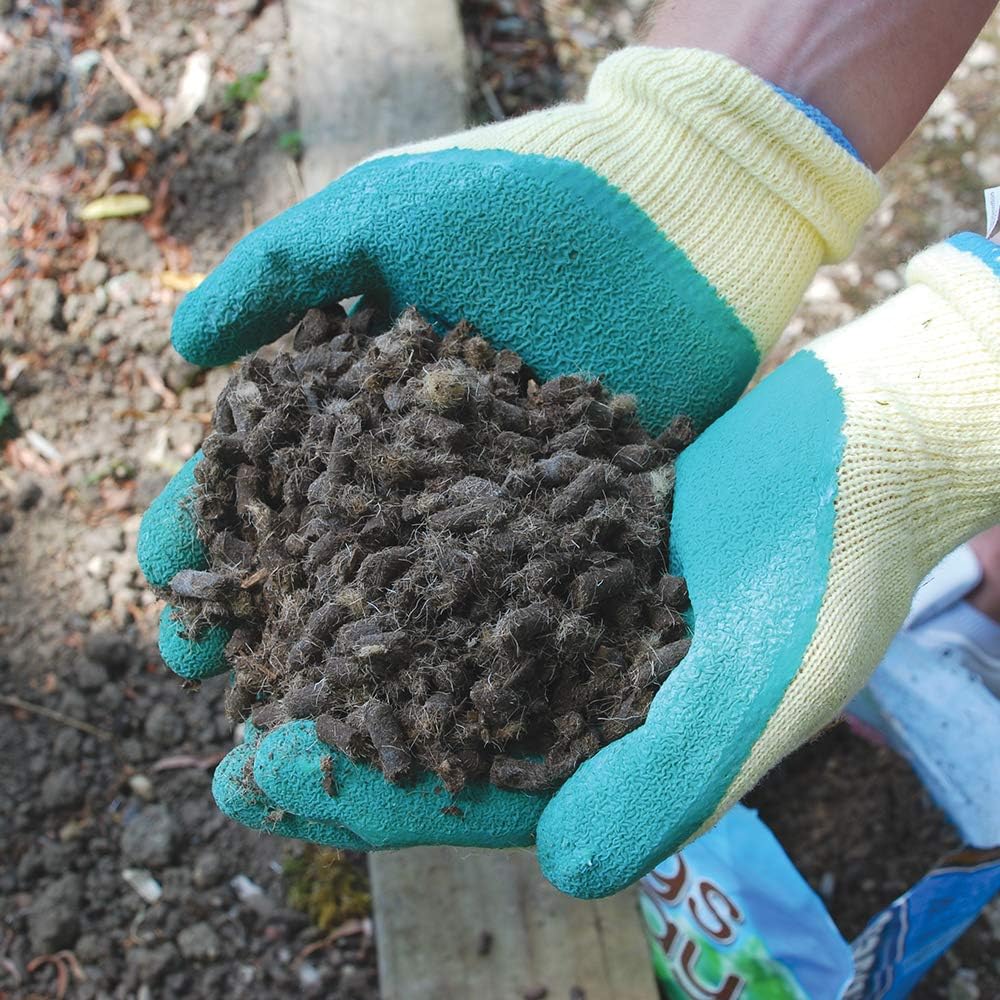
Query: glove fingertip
{"x":194,"y":336}
{"x":606,"y":827}
{"x":192,"y":659}
{"x":288,"y":766}
{"x":168,"y":539}
{"x":238,"y":796}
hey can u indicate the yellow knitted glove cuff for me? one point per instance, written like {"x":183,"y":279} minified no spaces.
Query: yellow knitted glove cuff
{"x":754,"y":193}
{"x":920,"y":377}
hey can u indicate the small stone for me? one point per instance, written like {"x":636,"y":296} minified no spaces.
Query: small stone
{"x":53,"y":917}
{"x":822,"y":289}
{"x":28,"y":495}
{"x":179,"y":374}
{"x":32,"y":74}
{"x":92,"y":948}
{"x":57,"y":857}
{"x":92,"y":273}
{"x":112,"y":651}
{"x":142,"y":786}
{"x":126,"y":242}
{"x":164,"y":725}
{"x":964,"y":985}
{"x":108,"y":102}
{"x":309,"y":976}
{"x":887,"y":281}
{"x":82,"y":311}
{"x":45,"y":303}
{"x":93,"y":597}
{"x":144,"y":884}
{"x":90,"y":676}
{"x":133,"y":750}
{"x":62,"y":790}
{"x":98,"y":567}
{"x":151,"y":839}
{"x":129,"y":288}
{"x":199,"y":942}
{"x":150,"y":964}
{"x":991,"y":912}
{"x":107,"y":538}
{"x":982,"y":55}
{"x":74,"y":307}
{"x":29,"y":867}
{"x":208,"y":869}
{"x":83,"y":64}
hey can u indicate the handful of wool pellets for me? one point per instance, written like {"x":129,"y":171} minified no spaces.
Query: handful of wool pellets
{"x":448,"y":564}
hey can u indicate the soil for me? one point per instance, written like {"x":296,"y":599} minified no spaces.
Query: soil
{"x":107,"y":412}
{"x":846,"y":844}
{"x":861,"y":829}
{"x":449,"y":565}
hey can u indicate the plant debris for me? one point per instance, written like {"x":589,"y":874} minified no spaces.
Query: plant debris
{"x":447,"y":564}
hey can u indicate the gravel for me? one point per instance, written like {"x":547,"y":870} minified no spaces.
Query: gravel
{"x":151,"y":838}
{"x":54,"y":915}
{"x":126,"y":242}
{"x":200,"y":942}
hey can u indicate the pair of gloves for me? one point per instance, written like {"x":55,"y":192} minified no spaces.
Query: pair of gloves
{"x":660,"y":233}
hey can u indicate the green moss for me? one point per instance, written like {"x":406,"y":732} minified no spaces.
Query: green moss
{"x":8,"y":422}
{"x":327,"y":885}
{"x":291,"y":143}
{"x":245,"y":89}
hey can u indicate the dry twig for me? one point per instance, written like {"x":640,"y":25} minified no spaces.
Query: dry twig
{"x":50,"y":713}
{"x":146,"y":104}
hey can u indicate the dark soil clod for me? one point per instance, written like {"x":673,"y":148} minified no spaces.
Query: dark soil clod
{"x":448,"y":565}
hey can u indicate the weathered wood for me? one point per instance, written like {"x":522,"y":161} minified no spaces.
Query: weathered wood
{"x":370,"y":76}
{"x":485,"y":925}
{"x":373,"y":75}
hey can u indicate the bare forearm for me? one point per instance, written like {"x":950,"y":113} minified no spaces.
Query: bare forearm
{"x":872,"y":66}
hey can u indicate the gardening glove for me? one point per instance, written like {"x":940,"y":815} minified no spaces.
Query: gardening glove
{"x":594,"y":237}
{"x":599,"y":236}
{"x":803,"y":521}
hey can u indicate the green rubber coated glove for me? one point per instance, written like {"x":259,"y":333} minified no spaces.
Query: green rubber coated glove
{"x":804,"y":519}
{"x":612,"y":236}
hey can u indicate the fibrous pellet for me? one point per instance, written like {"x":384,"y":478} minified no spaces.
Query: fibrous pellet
{"x":447,"y":563}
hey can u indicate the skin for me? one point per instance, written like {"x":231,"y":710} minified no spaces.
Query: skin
{"x":986,"y":596}
{"x":873,"y":67}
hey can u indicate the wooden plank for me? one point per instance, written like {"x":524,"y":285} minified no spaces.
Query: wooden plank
{"x":436,"y":908}
{"x":373,"y":75}
{"x":370,"y":76}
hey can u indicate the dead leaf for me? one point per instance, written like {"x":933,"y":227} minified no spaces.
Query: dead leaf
{"x":137,"y":119}
{"x":131,"y":86}
{"x":115,"y":206}
{"x":191,"y":92}
{"x":178,"y":282}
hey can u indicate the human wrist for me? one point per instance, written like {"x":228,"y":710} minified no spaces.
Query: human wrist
{"x":871,"y":66}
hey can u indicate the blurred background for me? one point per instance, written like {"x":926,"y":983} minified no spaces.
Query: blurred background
{"x":139,"y":141}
